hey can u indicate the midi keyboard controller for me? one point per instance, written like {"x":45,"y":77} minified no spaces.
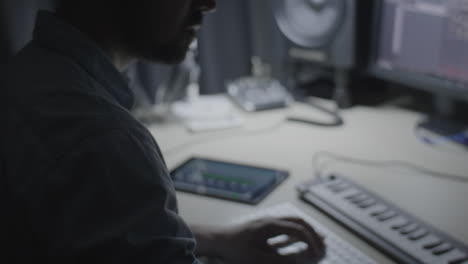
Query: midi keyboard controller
{"x":395,"y":232}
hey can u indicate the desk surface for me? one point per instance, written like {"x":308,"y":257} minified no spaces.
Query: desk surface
{"x":384,"y":133}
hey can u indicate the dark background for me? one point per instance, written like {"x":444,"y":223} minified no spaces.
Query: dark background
{"x":230,"y":36}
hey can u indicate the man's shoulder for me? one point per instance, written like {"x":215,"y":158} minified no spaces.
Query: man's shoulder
{"x":34,"y":71}
{"x":56,"y":101}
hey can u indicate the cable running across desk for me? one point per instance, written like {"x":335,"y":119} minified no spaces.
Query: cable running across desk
{"x":376,"y":163}
{"x":222,"y":136}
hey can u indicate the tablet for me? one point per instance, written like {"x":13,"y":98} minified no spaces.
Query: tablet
{"x":226,"y":180}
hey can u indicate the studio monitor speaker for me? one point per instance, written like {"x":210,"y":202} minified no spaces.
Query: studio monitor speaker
{"x":321,"y":31}
{"x":324,"y":32}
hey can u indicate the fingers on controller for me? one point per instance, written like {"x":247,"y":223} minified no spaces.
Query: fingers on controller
{"x":296,"y":237}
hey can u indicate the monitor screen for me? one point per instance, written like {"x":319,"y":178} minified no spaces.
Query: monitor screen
{"x":423,"y":43}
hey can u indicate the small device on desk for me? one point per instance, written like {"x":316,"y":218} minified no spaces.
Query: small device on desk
{"x":225,"y":180}
{"x":439,"y":131}
{"x":387,"y":227}
{"x":257,"y":93}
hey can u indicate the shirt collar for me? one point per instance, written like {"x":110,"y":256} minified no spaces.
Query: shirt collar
{"x":54,"y":33}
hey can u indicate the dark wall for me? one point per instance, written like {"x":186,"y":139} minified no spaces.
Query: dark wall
{"x":224,"y":45}
{"x":16,"y":24}
{"x":267,"y":41}
{"x":239,"y":30}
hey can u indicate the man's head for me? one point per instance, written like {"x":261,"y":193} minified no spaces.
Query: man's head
{"x":155,"y":30}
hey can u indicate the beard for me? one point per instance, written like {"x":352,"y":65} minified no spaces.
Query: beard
{"x":147,"y":39}
{"x":172,"y":52}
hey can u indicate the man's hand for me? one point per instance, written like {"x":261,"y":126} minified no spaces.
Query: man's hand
{"x":247,"y":243}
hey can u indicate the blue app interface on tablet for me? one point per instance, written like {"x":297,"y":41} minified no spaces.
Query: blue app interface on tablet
{"x":226,"y":180}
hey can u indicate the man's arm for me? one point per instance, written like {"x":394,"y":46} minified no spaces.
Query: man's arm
{"x":110,"y":200}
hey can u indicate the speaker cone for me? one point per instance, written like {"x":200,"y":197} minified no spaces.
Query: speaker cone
{"x":309,"y":23}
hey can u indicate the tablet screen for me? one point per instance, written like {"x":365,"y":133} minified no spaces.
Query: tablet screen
{"x":238,"y":182}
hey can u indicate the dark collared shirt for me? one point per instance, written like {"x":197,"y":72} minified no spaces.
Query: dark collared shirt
{"x":82,"y":181}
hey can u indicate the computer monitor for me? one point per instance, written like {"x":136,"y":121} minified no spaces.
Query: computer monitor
{"x":422,"y":44}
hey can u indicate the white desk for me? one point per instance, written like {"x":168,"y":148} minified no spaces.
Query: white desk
{"x":369,"y":133}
